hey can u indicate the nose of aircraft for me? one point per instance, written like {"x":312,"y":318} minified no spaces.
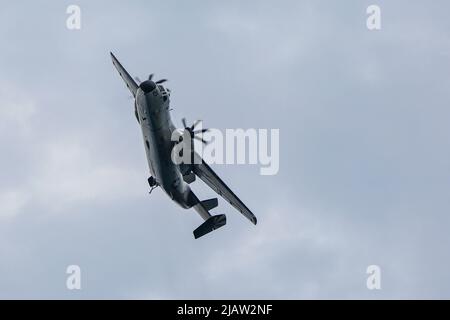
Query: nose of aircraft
{"x":147,"y":86}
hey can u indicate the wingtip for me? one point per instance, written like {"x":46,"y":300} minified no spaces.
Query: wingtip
{"x":255,"y":221}
{"x":113,"y":57}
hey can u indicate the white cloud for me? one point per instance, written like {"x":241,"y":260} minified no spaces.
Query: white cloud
{"x":70,"y":173}
{"x":16,"y":110}
{"x":12,"y":203}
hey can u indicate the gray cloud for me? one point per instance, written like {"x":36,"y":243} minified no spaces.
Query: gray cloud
{"x":364,"y":167}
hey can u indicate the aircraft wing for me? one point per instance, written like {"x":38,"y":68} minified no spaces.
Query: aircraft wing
{"x":129,"y":81}
{"x":204,"y":172}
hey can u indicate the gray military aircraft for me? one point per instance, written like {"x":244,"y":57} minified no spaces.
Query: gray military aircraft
{"x":151,"y":107}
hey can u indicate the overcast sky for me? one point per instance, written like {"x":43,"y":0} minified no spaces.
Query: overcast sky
{"x":364,"y":149}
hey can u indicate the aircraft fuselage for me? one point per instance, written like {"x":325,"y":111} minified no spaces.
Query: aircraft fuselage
{"x":152,"y":105}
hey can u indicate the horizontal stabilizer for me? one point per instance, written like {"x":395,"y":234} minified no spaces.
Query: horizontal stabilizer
{"x":213,"y":223}
{"x":210,"y":203}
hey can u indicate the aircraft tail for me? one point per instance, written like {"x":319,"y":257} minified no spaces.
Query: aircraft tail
{"x":129,"y":81}
{"x":213,"y":223}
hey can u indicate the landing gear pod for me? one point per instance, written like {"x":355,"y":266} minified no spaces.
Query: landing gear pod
{"x":151,"y":182}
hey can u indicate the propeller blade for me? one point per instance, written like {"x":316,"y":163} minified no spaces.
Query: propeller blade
{"x":200,"y":139}
{"x":161,"y":81}
{"x":201,"y":131}
{"x":150,"y":77}
{"x":137,"y":80}
{"x":195,"y":124}
{"x":183,"y":121}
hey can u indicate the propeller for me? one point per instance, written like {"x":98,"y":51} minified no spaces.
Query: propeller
{"x":150,"y":77}
{"x":192,"y":132}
